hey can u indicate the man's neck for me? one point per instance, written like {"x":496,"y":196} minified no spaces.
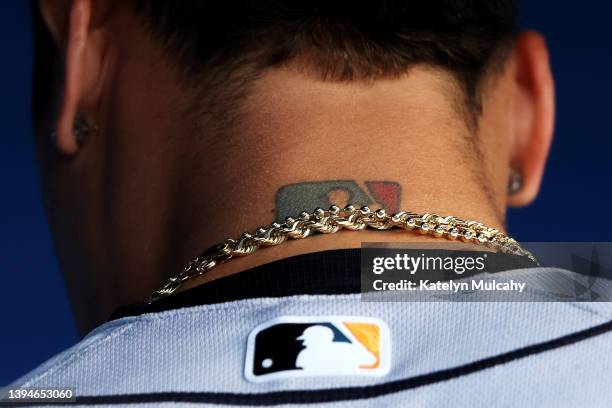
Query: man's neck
{"x":399,"y":144}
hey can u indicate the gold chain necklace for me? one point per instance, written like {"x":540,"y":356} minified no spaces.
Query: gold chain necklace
{"x":333,"y":220}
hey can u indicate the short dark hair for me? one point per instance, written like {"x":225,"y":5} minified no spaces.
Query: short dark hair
{"x":343,"y":40}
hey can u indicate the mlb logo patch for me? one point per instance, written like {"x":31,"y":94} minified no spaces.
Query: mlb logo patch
{"x":314,"y":346}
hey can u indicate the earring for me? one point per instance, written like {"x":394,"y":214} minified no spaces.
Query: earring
{"x":81,"y":129}
{"x":515,"y":182}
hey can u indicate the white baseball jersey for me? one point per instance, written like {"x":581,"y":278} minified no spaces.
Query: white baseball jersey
{"x":298,"y":332}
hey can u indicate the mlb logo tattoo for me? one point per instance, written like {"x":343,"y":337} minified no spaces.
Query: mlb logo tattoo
{"x":315,"y":346}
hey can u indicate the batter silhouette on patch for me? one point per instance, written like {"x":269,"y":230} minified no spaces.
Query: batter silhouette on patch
{"x":310,"y":346}
{"x":321,"y":352}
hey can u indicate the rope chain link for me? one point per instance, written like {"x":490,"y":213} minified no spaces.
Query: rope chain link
{"x":333,"y":220}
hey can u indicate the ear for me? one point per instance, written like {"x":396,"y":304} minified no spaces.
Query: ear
{"x":533,"y":115}
{"x":69,"y":22}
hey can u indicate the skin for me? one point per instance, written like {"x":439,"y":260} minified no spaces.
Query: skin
{"x":153,"y":186}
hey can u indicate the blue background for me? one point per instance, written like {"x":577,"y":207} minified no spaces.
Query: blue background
{"x":34,"y":311}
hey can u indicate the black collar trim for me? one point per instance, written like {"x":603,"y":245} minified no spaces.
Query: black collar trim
{"x":318,"y":273}
{"x":335,"y":272}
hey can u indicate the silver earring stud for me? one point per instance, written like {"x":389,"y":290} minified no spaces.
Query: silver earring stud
{"x":515,"y":182}
{"x":81,"y":129}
